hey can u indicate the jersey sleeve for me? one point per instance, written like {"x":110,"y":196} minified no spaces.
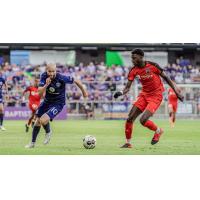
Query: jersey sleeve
{"x":68,"y":79}
{"x":42,"y":80}
{"x":131,"y":75}
{"x":158,"y":69}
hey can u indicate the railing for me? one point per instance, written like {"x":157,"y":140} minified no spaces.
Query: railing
{"x":110,"y":108}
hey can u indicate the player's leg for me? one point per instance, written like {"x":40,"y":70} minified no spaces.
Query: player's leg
{"x":53,"y":111}
{"x":154,"y":102}
{"x":133,"y":114}
{"x":36,"y":130}
{"x":33,"y":120}
{"x":44,"y":120}
{"x":1,"y":117}
{"x":30,"y":121}
{"x":175,"y":106}
{"x":171,"y":114}
{"x":144,"y":120}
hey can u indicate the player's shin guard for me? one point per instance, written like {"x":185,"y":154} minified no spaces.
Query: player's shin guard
{"x":150,"y":125}
{"x":36,"y":130}
{"x":128,"y":130}
{"x":47,"y":128}
{"x":1,"y":119}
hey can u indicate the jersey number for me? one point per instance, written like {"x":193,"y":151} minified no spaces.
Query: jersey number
{"x":54,"y":111}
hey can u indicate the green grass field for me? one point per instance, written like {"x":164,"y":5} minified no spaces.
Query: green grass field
{"x":67,"y":138}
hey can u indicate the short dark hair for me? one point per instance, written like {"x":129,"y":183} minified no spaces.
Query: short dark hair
{"x":138,"y":52}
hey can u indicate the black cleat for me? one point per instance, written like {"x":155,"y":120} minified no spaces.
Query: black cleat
{"x":156,"y":137}
{"x":126,"y":145}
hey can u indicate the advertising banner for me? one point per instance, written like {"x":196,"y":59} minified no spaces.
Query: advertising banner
{"x":23,"y":113}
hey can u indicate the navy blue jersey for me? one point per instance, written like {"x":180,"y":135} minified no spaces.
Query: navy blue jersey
{"x":2,"y":82}
{"x":56,"y":91}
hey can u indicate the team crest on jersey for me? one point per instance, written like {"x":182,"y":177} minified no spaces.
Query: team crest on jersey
{"x":147,"y":70}
{"x":58,"y":84}
{"x":51,"y":89}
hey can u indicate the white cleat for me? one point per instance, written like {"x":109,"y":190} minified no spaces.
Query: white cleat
{"x":2,"y":128}
{"x":47,"y":138}
{"x":31,"y":145}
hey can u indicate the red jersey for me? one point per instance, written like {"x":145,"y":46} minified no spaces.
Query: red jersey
{"x":34,"y":97}
{"x":149,"y":76}
{"x":172,"y":96}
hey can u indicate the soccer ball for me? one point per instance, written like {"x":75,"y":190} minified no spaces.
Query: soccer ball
{"x":89,"y":142}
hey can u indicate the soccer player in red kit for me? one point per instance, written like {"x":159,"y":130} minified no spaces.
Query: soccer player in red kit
{"x":172,"y":106}
{"x":150,"y":97}
{"x":34,"y":101}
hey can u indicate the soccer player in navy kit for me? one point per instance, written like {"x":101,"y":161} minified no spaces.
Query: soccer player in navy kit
{"x":2,"y":83}
{"x":51,"y":84}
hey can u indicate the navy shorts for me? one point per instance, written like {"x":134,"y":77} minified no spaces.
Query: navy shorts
{"x":52,"y":110}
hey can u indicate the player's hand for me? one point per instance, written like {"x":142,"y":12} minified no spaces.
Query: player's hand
{"x":117,"y":94}
{"x":180,"y":96}
{"x":48,"y":81}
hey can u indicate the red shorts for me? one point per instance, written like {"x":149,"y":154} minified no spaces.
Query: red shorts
{"x":150,"y":102}
{"x":33,"y":106}
{"x":173,"y":105}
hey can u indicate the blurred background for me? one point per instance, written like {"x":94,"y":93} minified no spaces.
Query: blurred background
{"x":103,"y":69}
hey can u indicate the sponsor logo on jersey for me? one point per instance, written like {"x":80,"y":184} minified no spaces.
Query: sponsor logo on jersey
{"x":33,"y":93}
{"x":58,"y":84}
{"x":51,"y":89}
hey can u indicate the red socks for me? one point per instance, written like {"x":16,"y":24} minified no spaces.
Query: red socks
{"x":150,"y":125}
{"x":128,"y":130}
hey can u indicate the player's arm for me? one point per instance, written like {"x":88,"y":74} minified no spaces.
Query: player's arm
{"x":131,"y":77}
{"x":124,"y":91}
{"x":25,"y":91}
{"x":43,"y":86}
{"x":80,"y":86}
{"x":172,"y":85}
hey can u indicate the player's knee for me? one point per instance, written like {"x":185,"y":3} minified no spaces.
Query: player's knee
{"x":44,"y":120}
{"x":37,"y":122}
{"x":143,"y":119}
{"x":130,"y":119}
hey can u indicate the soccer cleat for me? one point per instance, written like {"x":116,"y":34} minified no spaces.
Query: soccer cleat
{"x":156,"y":137}
{"x":47,"y":138}
{"x":2,"y":128}
{"x":126,"y":145}
{"x":27,"y":128}
{"x":31,"y":145}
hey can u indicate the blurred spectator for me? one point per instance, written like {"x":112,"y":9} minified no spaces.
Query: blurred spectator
{"x":100,"y":80}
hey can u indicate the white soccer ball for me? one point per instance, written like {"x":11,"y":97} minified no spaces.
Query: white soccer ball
{"x":89,"y":142}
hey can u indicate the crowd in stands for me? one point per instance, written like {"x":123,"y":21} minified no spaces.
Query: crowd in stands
{"x":182,"y":71}
{"x":101,"y":81}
